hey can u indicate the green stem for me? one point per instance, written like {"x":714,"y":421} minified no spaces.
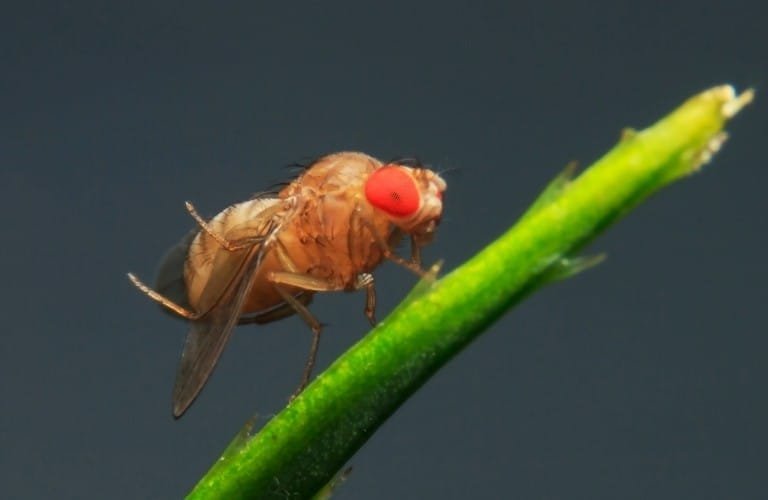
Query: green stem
{"x":301,"y":449}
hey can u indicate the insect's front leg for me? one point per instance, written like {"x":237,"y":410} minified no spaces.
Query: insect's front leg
{"x":412,"y":265}
{"x":415,"y":251}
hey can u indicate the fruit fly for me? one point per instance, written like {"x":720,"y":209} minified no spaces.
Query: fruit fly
{"x":263,"y":259}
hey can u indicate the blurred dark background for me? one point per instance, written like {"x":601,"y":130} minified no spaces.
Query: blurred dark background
{"x":643,"y":378}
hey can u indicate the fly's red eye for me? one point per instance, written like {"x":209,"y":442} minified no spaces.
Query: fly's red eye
{"x":392,"y":190}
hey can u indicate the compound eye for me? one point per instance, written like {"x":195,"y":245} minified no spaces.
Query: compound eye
{"x":393,"y":190}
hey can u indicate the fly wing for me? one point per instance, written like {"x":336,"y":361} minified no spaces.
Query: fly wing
{"x":224,"y":296}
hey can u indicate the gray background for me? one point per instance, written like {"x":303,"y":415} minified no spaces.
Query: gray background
{"x":644,"y":378}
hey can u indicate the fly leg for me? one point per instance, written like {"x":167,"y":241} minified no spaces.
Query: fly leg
{"x":281,"y":280}
{"x":316,"y":328}
{"x":355,"y":248}
{"x":415,"y":252}
{"x":366,"y":281}
{"x":239,"y":243}
{"x":356,"y":220}
{"x":413,"y":265}
{"x":163,"y":300}
{"x":232,"y":245}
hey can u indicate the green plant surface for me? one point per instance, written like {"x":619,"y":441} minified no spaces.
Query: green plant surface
{"x":301,"y":450}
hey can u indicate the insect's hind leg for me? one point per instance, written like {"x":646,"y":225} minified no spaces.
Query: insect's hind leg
{"x":162,"y":300}
{"x":239,"y":243}
{"x":316,"y":328}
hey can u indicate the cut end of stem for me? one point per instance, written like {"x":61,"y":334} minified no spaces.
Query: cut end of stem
{"x":725,"y":95}
{"x":733,"y":103}
{"x":730,"y":103}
